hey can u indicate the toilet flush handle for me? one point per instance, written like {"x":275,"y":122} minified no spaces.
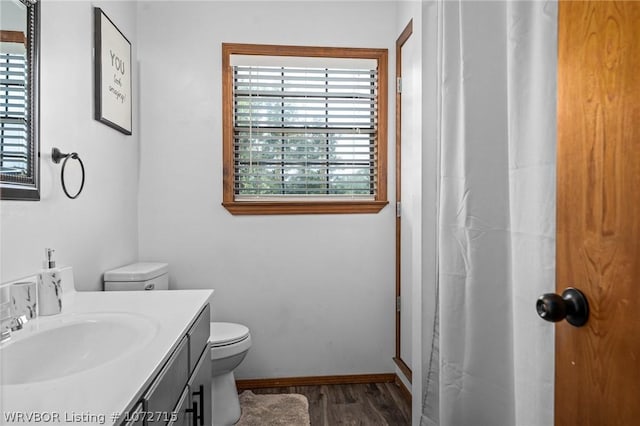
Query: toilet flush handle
{"x":150,"y":286}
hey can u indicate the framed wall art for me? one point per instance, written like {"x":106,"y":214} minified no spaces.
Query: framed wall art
{"x":112,"y":62}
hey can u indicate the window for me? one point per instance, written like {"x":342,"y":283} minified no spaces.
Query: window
{"x":304,"y":129}
{"x":13,"y":126}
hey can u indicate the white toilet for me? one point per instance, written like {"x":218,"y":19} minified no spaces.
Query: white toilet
{"x":229,"y":342}
{"x":229,"y":345}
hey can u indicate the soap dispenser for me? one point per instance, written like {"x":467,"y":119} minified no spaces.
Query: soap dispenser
{"x":49,"y":287}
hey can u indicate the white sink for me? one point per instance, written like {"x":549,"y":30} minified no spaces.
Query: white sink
{"x":55,"y":347}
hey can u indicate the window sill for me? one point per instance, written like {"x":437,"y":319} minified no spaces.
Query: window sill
{"x":306,"y":207}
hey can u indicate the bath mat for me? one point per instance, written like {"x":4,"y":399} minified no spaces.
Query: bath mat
{"x":288,"y":409}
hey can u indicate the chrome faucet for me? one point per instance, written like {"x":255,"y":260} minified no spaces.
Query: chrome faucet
{"x":18,"y":322}
{"x":16,"y":312}
{"x":10,"y":323}
{"x":5,"y":321}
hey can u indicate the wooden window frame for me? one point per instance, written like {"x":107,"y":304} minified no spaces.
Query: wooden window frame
{"x":248,"y":207}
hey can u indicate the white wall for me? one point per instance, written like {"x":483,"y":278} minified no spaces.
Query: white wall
{"x":411,"y":173}
{"x":99,"y":229}
{"x":420,"y":182}
{"x":317,"y":291}
{"x":426,"y":334}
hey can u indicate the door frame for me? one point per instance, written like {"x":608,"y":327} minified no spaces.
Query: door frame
{"x":402,"y":39}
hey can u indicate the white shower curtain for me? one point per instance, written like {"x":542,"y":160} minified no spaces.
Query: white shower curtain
{"x":490,"y":362}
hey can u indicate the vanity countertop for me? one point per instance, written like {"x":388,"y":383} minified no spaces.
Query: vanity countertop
{"x":101,"y":394}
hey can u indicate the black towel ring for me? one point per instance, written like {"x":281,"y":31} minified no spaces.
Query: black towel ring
{"x":56,"y":155}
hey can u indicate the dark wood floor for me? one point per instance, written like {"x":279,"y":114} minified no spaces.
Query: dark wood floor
{"x":360,"y":404}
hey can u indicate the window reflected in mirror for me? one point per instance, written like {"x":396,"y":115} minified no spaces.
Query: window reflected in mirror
{"x":19,"y":136}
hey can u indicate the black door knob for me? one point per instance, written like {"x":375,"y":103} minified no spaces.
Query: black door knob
{"x":572,"y":305}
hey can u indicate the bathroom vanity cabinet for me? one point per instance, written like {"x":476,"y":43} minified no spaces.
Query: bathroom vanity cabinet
{"x":147,"y":350}
{"x":180,"y":395}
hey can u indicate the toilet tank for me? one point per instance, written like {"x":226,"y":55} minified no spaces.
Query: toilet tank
{"x":138,"y":276}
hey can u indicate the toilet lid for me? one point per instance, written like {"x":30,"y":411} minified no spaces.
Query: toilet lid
{"x":226,"y":333}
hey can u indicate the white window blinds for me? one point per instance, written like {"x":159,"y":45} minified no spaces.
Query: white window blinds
{"x":305,"y":131}
{"x":14,"y":149}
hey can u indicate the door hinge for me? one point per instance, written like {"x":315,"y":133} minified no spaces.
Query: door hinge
{"x":398,"y":209}
{"x":399,"y":84}
{"x":397,"y":303}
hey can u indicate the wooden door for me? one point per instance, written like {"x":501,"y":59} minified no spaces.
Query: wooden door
{"x":598,"y":217}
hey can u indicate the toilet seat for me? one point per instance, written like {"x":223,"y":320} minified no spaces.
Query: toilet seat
{"x":227,"y":333}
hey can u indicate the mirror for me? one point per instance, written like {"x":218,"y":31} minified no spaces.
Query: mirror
{"x":19,"y":104}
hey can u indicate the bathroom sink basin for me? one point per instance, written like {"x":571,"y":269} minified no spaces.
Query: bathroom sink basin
{"x":71,"y":344}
